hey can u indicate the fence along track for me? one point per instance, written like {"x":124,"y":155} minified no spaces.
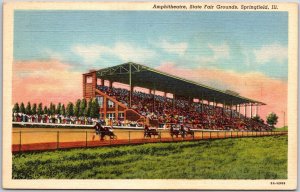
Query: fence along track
{"x":51,"y":140}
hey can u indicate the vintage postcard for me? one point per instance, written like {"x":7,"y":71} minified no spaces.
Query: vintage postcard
{"x":178,"y":96}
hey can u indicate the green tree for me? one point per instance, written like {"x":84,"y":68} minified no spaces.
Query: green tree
{"x":45,"y":111}
{"x":89,"y":106}
{"x":22,"y":108}
{"x":16,"y":108}
{"x":70,"y":109}
{"x":40,"y":109}
{"x":63,"y":110}
{"x":52,"y":108}
{"x":82,"y":107}
{"x":33,"y":110}
{"x":86,"y":112}
{"x":28,"y":109}
{"x":94,"y":111}
{"x":58,"y":109}
{"x":77,"y":108}
{"x":258,"y":119}
{"x":272,"y":119}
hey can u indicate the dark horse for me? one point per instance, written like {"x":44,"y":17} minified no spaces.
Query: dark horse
{"x":189,"y":132}
{"x":149,"y":132}
{"x":176,"y":132}
{"x":103,"y":131}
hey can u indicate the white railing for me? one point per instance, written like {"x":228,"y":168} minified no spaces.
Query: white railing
{"x":72,"y":125}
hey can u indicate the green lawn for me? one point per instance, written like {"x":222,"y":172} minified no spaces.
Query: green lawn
{"x":242,"y":158}
{"x":285,"y":128}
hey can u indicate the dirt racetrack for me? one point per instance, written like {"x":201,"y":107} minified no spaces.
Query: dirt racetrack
{"x":32,"y":139}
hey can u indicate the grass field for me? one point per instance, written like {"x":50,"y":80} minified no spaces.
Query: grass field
{"x":285,"y":128}
{"x":241,"y":158}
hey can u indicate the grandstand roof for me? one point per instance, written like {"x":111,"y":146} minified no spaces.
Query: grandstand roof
{"x":146,"y":77}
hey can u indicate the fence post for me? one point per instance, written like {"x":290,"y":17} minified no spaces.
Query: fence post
{"x":231,"y":134}
{"x":194,"y":136}
{"x":217,"y":134}
{"x":160,"y":136}
{"x":57,"y":141}
{"x":86,"y":143}
{"x":209,"y":134}
{"x":242,"y":133}
{"x":129,"y":137}
{"x":20,"y":146}
{"x":202,"y":135}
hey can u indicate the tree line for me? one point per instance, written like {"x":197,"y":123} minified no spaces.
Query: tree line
{"x":272,"y":119}
{"x":80,"y":108}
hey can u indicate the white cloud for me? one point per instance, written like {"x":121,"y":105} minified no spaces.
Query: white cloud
{"x":90,"y":53}
{"x":130,"y":52}
{"x":52,"y":54}
{"x":177,"y":48}
{"x":122,"y":50}
{"x":273,"y":52}
{"x":218,"y":52}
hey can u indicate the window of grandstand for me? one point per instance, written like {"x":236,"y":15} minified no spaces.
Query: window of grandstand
{"x":98,"y":81}
{"x":121,"y":115}
{"x":89,"y":79}
{"x":110,"y":104}
{"x":100,"y":101}
{"x":110,"y":115}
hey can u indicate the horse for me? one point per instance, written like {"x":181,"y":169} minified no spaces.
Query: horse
{"x":149,"y":132}
{"x":175,"y":132}
{"x":102,"y":132}
{"x":189,"y":132}
{"x":107,"y":132}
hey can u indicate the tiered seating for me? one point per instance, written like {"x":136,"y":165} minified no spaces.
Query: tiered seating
{"x":197,"y":115}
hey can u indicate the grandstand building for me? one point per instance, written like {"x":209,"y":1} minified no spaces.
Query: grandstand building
{"x":182,"y":101}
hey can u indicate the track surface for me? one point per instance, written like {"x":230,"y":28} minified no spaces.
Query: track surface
{"x":41,"y":139}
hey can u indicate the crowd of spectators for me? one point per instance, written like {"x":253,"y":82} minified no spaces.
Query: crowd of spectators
{"x":81,"y":120}
{"x":57,"y":118}
{"x":181,"y":111}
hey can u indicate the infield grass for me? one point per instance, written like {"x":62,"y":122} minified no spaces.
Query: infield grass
{"x":241,"y":158}
{"x":285,"y":128}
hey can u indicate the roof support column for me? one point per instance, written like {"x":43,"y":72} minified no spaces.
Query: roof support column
{"x":130,"y":86}
{"x":231,"y":110}
{"x":153,"y":109}
{"x":214,"y":105}
{"x":250,"y":110}
{"x":202,"y":107}
{"x":173,"y":101}
{"x":245,"y":110}
{"x":102,"y":82}
{"x":256,"y":110}
{"x":110,"y":84}
{"x":239,"y":110}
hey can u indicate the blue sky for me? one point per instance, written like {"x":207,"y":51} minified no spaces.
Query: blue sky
{"x":237,"y":41}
